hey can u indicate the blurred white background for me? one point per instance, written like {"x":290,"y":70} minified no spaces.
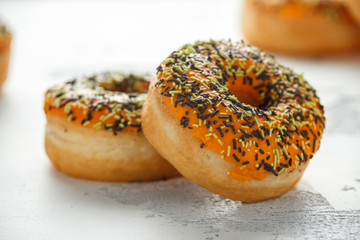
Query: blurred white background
{"x":55,"y":41}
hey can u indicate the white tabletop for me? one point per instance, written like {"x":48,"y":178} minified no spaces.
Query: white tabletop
{"x":55,"y":41}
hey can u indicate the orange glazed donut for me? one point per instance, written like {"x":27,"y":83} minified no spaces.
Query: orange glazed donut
{"x":5,"y":42}
{"x":354,"y":8}
{"x":93,"y":130}
{"x":300,"y":26}
{"x":233,"y":119}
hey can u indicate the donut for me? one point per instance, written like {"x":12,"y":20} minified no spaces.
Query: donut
{"x":94,"y":131}
{"x":354,"y":8}
{"x":300,"y":27}
{"x":5,"y":42}
{"x":231,"y":118}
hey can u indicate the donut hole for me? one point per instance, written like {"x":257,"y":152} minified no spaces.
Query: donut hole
{"x":125,"y":83}
{"x":245,"y":93}
{"x":123,"y":86}
{"x":247,"y":98}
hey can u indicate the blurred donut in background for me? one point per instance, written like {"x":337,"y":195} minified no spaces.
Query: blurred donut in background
{"x":5,"y":42}
{"x":301,"y":27}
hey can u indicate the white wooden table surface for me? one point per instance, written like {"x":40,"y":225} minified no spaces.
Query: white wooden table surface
{"x":57,"y":40}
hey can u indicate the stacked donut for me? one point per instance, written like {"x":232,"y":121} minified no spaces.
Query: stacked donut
{"x":303,"y":27}
{"x":224,"y":114}
{"x":93,"y":129}
{"x":5,"y":42}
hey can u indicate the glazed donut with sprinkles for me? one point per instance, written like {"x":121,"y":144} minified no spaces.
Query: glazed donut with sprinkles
{"x":93,"y":129}
{"x":233,"y":119}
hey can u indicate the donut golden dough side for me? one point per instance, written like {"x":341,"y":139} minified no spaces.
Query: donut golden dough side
{"x":227,"y":156}
{"x":93,"y":130}
{"x":300,"y":27}
{"x":5,"y":44}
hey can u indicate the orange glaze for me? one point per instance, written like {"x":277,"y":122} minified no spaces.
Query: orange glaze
{"x":5,"y":45}
{"x":5,"y":40}
{"x":80,"y":113}
{"x":247,"y":67}
{"x":109,"y":105}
